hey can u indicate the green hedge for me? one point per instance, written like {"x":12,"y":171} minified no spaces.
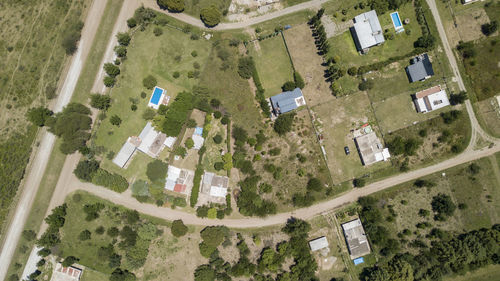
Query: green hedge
{"x":114,"y":182}
{"x":196,"y":185}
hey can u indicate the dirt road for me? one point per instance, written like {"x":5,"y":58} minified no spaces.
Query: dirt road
{"x":237,"y":25}
{"x":40,"y":160}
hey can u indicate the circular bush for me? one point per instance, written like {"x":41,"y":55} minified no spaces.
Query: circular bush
{"x":217,"y":114}
{"x":178,"y":228}
{"x":176,"y":74}
{"x":224,"y":120}
{"x":143,"y":95}
{"x":219,"y":166}
{"x":210,"y":16}
{"x":218,"y":139}
{"x":149,"y":82}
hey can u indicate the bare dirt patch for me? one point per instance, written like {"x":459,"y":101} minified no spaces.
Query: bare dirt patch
{"x":307,"y":62}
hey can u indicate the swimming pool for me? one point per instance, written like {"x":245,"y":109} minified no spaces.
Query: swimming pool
{"x":155,"y":99}
{"x":396,"y":20}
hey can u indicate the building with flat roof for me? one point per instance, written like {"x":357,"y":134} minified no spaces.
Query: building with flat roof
{"x":214,"y":185}
{"x":371,"y":149}
{"x":319,"y":244}
{"x":367,"y":31}
{"x":356,"y":239}
{"x":70,"y":273}
{"x":420,"y":68}
{"x":178,"y":180}
{"x":430,"y":99}
{"x":124,"y":154}
{"x":287,"y":101}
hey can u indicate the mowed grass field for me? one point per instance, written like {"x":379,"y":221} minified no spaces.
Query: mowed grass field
{"x":148,"y":55}
{"x":273,"y":64}
{"x":489,"y":273}
{"x":343,"y":45}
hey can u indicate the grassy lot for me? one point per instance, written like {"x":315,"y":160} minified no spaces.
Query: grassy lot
{"x":488,"y":114}
{"x":343,"y":45}
{"x":213,"y":153}
{"x":93,"y":62}
{"x":478,"y":191}
{"x":434,"y":147}
{"x":489,"y":273}
{"x":158,"y":61}
{"x":294,"y":20}
{"x":273,"y":64}
{"x":350,"y":113}
{"x":92,"y":275}
{"x":32,"y":60}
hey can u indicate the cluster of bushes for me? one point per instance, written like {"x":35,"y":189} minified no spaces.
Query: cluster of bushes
{"x":427,"y":41}
{"x":112,"y":69}
{"x":247,"y":69}
{"x":196,"y":185}
{"x":489,"y":28}
{"x":448,"y":255}
{"x":70,"y":37}
{"x":214,"y":211}
{"x":176,"y":116}
{"x":175,"y":6}
{"x":400,"y":146}
{"x":210,"y":15}
{"x":72,"y":125}
{"x":284,"y":123}
{"x":382,"y":6}
{"x":269,"y":265}
{"x":89,"y":171}
{"x":250,"y":203}
{"x":443,"y":206}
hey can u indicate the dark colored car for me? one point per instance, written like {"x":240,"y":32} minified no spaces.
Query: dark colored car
{"x":347,"y":151}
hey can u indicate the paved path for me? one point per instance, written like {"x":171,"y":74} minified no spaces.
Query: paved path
{"x":314,"y":4}
{"x":40,"y":160}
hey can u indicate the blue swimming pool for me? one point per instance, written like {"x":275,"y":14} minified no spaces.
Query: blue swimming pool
{"x":155,"y":99}
{"x":396,"y":20}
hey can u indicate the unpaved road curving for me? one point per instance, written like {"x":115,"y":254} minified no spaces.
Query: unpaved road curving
{"x":40,"y":160}
{"x":314,"y":4}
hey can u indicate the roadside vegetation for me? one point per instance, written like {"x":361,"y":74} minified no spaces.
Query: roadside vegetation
{"x":37,"y":38}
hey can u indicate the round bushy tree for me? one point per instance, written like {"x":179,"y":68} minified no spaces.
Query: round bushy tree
{"x":178,"y":228}
{"x":149,"y":82}
{"x":210,"y":16}
{"x":172,"y":5}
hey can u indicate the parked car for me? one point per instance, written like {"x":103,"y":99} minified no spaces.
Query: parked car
{"x":347,"y":151}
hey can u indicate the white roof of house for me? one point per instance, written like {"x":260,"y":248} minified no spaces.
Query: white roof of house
{"x":147,"y":136}
{"x":218,"y":191}
{"x":173,"y":173}
{"x":356,"y":239}
{"x":124,"y":154}
{"x":431,"y":99}
{"x":170,"y":184}
{"x":198,"y":141}
{"x":169,"y":142}
{"x":318,"y":243}
{"x":368,"y":29}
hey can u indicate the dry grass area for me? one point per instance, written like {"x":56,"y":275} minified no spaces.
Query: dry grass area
{"x":191,"y":159}
{"x":335,"y":120}
{"x":308,"y":63}
{"x":489,"y":113}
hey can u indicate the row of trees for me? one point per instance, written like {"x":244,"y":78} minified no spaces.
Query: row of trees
{"x":247,"y":70}
{"x":88,"y":170}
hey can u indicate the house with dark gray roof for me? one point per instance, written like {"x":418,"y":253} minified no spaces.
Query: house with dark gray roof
{"x":367,"y":31}
{"x":420,"y":68}
{"x":287,"y":101}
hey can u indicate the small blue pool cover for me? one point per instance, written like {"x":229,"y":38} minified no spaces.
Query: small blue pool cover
{"x":358,"y":261}
{"x":198,"y":131}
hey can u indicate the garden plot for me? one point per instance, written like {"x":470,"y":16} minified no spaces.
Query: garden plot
{"x":335,"y":120}
{"x":273,"y":64}
{"x":214,"y":151}
{"x":191,"y":157}
{"x":308,"y":63}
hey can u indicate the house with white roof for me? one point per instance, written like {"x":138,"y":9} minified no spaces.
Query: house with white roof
{"x":214,"y":185}
{"x":367,"y":31}
{"x":430,"y":99}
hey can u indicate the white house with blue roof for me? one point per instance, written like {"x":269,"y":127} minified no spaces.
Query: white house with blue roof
{"x":287,"y":101}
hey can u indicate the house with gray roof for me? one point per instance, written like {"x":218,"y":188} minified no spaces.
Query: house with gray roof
{"x":420,"y":68}
{"x":356,"y":239}
{"x":367,"y":31}
{"x":287,"y":101}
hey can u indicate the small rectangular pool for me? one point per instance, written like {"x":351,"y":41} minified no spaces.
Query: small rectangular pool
{"x":155,"y":98}
{"x":396,"y":21}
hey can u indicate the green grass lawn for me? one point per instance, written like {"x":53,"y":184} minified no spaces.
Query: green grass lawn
{"x":343,"y":45}
{"x":147,"y":55}
{"x":92,"y":275}
{"x":273,"y":64}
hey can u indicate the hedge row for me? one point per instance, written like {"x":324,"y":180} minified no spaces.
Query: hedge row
{"x":259,"y":95}
{"x":196,"y":185}
{"x":112,"y":181}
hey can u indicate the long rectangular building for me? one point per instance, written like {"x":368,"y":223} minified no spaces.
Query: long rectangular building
{"x":356,"y":239}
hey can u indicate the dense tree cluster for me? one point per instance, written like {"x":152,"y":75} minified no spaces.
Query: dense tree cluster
{"x":489,"y":28}
{"x":398,"y":145}
{"x":176,"y":6}
{"x":210,"y":15}
{"x":250,"y":203}
{"x":284,"y":123}
{"x":177,"y":114}
{"x":56,"y":220}
{"x":453,"y":255}
{"x":88,"y":170}
{"x":39,"y":115}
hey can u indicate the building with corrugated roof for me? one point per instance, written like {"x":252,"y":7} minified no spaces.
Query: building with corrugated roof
{"x":287,"y":101}
{"x":367,"y":31}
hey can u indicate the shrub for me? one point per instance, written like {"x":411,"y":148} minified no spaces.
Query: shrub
{"x":156,"y":170}
{"x":98,"y":101}
{"x":189,"y":143}
{"x":158,"y":31}
{"x":131,"y":22}
{"x":299,"y":81}
{"x":113,"y":232}
{"x":218,"y":166}
{"x":111,"y":69}
{"x":194,"y":54}
{"x":69,"y":261}
{"x":86,"y":169}
{"x":314,"y":184}
{"x":288,"y":86}
{"x":224,"y":120}
{"x":246,"y":67}
{"x":71,"y":37}
{"x":113,"y":181}
{"x":366,"y":85}
{"x":148,"y":114}
{"x":443,"y":205}
{"x":84,"y":235}
{"x":178,"y":228}
{"x":115,"y":120}
{"x":458,"y":98}
{"x":210,"y":15}
{"x":218,"y":139}
{"x":217,"y":114}
{"x":172,"y":5}
{"x":39,"y":115}
{"x":353,"y":71}
{"x":149,"y":82}
{"x":284,"y":123}
{"x":359,"y":182}
{"x":109,"y":81}
{"x":123,"y":38}
{"x":489,"y":28}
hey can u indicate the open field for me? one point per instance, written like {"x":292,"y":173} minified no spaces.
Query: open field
{"x":92,"y":275}
{"x":273,"y":64}
{"x":32,"y":60}
{"x":478,"y":190}
{"x":335,"y":120}
{"x":489,"y":273}
{"x":308,"y":63}
{"x":488,"y":112}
